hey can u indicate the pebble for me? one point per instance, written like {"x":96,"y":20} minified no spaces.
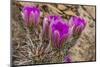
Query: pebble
{"x":61,"y":7}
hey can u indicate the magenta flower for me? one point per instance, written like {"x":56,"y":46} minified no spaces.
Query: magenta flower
{"x":46,"y":24}
{"x":31,"y":15}
{"x":54,"y":17}
{"x":60,"y":32}
{"x":68,"y":59}
{"x":78,"y":24}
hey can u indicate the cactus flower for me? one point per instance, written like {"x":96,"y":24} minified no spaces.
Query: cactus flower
{"x":68,"y":59}
{"x":31,"y":15}
{"x":60,"y":32}
{"x":78,"y":24}
{"x":53,"y":17}
{"x":46,"y":24}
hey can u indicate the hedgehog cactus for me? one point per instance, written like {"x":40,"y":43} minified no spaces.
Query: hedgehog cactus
{"x":58,"y":36}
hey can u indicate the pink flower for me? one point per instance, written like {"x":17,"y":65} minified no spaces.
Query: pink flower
{"x":55,"y":29}
{"x":60,"y":32}
{"x":31,"y":15}
{"x":46,"y":24}
{"x":78,"y":24}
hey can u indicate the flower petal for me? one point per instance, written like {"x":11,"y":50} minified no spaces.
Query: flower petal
{"x":56,"y":39}
{"x":45,"y":28}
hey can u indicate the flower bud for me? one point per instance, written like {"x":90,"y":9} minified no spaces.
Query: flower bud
{"x":68,"y":59}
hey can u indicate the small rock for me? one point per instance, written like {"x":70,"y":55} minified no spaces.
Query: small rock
{"x":68,"y":12}
{"x":61,"y":7}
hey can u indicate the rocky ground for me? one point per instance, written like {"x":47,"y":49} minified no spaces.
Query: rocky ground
{"x":28,"y":48}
